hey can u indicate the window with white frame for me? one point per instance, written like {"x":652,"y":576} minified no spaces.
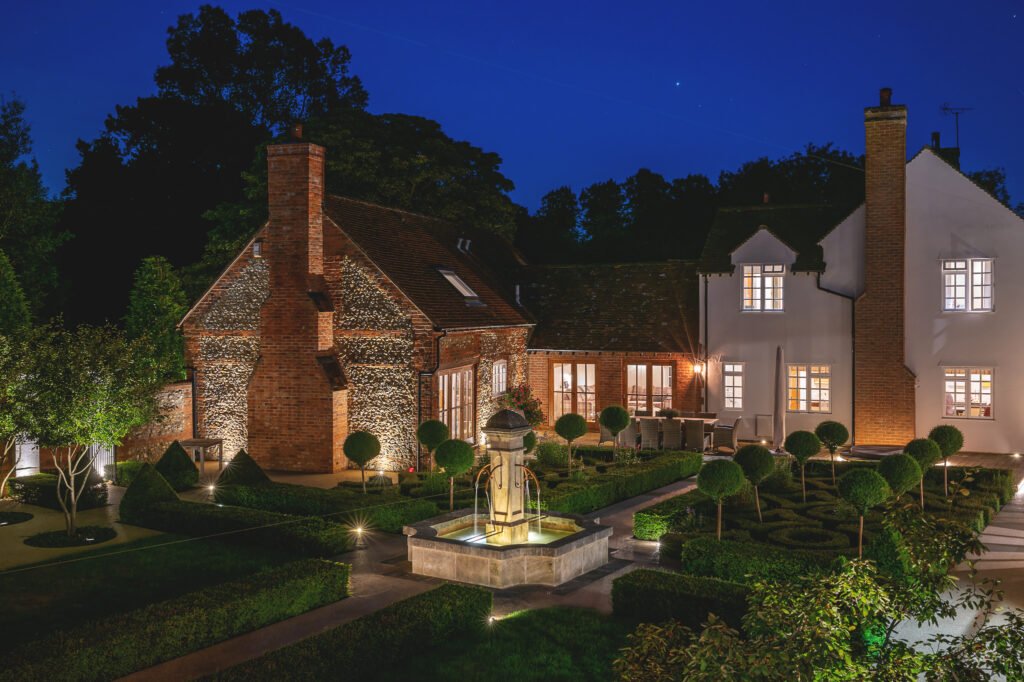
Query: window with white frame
{"x":732,"y":376}
{"x":574,"y":389}
{"x":455,"y":402}
{"x":763,"y":287}
{"x":967,"y":284}
{"x":499,"y":377}
{"x":968,"y":392}
{"x":809,"y":388}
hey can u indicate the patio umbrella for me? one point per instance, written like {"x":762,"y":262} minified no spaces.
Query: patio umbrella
{"x":779,"y":416}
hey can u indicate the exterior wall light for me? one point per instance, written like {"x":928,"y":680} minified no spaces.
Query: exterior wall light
{"x":698,"y":368}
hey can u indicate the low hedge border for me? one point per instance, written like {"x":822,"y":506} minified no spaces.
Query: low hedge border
{"x":386,"y":511}
{"x":654,"y":521}
{"x":309,"y":537}
{"x":744,"y":562}
{"x":347,"y":651}
{"x":809,"y":537}
{"x":41,"y":490}
{"x":620,"y":483}
{"x":118,"y":645}
{"x":653,"y":596}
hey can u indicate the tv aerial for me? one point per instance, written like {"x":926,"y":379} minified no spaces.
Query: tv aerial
{"x":949,"y":110}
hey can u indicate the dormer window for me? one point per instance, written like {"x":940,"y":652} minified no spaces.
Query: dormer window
{"x":762,"y":287}
{"x":472,"y":298}
{"x":967,"y":285}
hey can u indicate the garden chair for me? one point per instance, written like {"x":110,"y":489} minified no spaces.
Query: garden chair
{"x":695,"y":436}
{"x":627,"y":437}
{"x":649,"y":434}
{"x":642,"y":413}
{"x":672,"y":434}
{"x":727,"y":436}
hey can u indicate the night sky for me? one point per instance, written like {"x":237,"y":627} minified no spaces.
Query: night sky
{"x":577,"y":92}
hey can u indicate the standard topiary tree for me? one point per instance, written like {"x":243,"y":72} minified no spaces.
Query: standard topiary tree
{"x":430,"y":434}
{"x":178,"y":468}
{"x":757,"y":463}
{"x":901,"y":472}
{"x":803,"y":445}
{"x":718,"y":480}
{"x":570,"y":427}
{"x":833,"y":435}
{"x":950,"y":440}
{"x":147,"y":488}
{"x":529,"y":442}
{"x":615,"y":418}
{"x":242,"y":470}
{"x":927,"y":453}
{"x":360,"y":447}
{"x":864,"y":489}
{"x":456,"y":458}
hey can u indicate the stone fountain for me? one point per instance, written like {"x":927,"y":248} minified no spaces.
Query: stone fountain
{"x":509,"y":544}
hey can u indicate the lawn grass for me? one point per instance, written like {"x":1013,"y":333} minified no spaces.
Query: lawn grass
{"x":554,"y":644}
{"x":51,"y":597}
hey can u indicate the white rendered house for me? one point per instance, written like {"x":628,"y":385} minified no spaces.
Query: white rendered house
{"x":895,"y":318}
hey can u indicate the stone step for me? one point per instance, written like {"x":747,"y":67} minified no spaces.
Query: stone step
{"x":1001,"y":530}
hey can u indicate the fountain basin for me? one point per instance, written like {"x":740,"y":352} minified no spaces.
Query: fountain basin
{"x":564,"y":547}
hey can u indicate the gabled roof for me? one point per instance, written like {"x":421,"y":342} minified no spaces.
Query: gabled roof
{"x":411,"y":250}
{"x":632,"y":307}
{"x":799,"y":226}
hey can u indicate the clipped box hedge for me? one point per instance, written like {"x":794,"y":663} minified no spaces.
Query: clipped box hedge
{"x":653,"y":596}
{"x":386,"y":512}
{"x":123,"y":473}
{"x":744,"y":562}
{"x":654,"y":521}
{"x":121,"y":644}
{"x":41,"y":490}
{"x":620,"y":483}
{"x":359,"y":650}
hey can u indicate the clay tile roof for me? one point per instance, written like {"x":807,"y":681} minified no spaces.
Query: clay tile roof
{"x":637,"y":307}
{"x":412,"y":250}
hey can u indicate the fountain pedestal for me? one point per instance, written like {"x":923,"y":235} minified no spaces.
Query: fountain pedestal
{"x":509,"y":524}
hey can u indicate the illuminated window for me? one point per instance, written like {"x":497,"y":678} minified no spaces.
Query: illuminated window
{"x":968,"y":392}
{"x":499,"y":377}
{"x":732,"y":374}
{"x":809,"y":388}
{"x":472,"y":298}
{"x":763,"y":287}
{"x":455,"y":404}
{"x":648,"y":388}
{"x":967,"y":284}
{"x":574,"y":390}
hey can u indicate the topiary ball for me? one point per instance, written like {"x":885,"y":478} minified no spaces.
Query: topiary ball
{"x":242,"y":470}
{"x":802,"y":445}
{"x":949,"y":439}
{"x":178,"y":468}
{"x":925,"y":451}
{"x":571,"y":426}
{"x":901,"y":472}
{"x":757,"y":462}
{"x":456,"y":457}
{"x":148,"y":488}
{"x":615,"y":418}
{"x":360,"y":447}
{"x":863,"y":488}
{"x":432,"y":433}
{"x":529,"y":442}
{"x":720,"y":478}
{"x":832,"y":434}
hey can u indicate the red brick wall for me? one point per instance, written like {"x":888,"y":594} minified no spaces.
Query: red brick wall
{"x":611,"y":376}
{"x":173,"y":422}
{"x":884,"y":387}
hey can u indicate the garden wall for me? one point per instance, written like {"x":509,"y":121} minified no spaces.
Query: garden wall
{"x":173,"y":422}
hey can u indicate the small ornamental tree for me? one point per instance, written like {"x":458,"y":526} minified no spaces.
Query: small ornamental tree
{"x":529,"y":442}
{"x":901,"y":472}
{"x":927,"y":453}
{"x":14,"y":418}
{"x":803,"y":445}
{"x":833,"y":435}
{"x":430,"y":434}
{"x":570,"y":427}
{"x":950,"y":440}
{"x":757,"y":463}
{"x":360,"y":447}
{"x":615,"y":418}
{"x":456,"y":458}
{"x":719,"y":479}
{"x":864,"y":489}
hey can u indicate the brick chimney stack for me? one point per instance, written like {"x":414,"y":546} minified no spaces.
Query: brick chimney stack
{"x":884,"y":387}
{"x":297,"y":398}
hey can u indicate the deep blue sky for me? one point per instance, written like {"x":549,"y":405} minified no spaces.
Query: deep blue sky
{"x":577,"y":92}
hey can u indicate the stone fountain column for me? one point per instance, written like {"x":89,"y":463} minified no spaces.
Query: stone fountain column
{"x":509,"y":523}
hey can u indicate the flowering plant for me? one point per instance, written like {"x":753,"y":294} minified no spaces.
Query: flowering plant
{"x":521,"y":398}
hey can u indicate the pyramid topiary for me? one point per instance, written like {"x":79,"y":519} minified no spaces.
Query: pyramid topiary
{"x":147,"y":488}
{"x":178,"y":468}
{"x":242,"y":470}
